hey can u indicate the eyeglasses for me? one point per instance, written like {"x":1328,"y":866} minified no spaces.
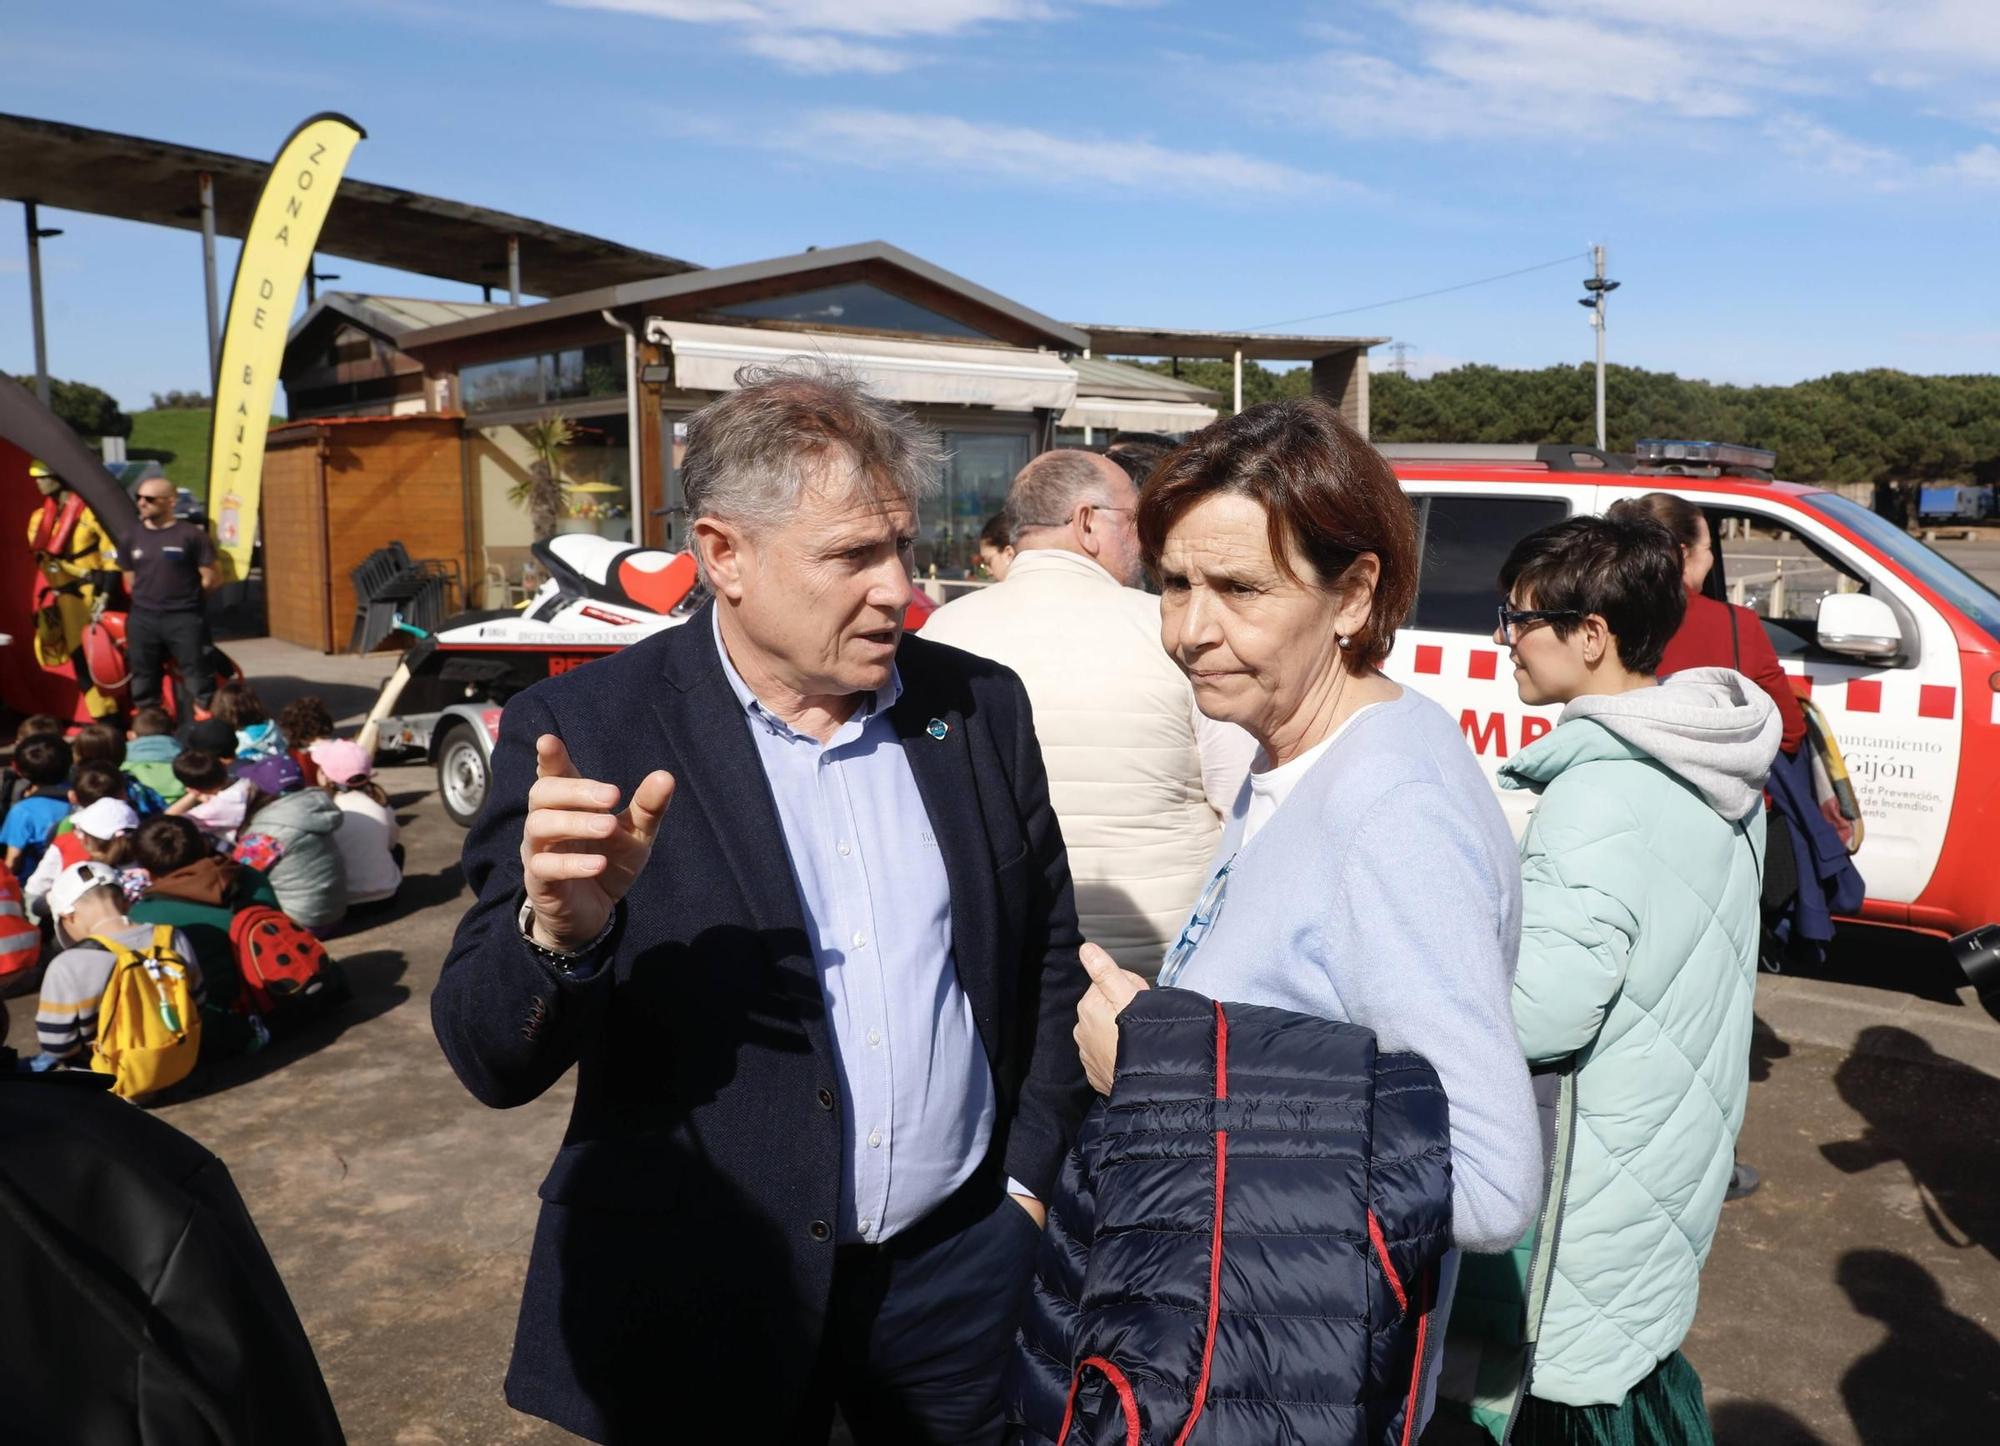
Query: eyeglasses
{"x":1064,"y":521}
{"x":1512,"y":619}
{"x":154,"y":497}
{"x":1206,"y":910}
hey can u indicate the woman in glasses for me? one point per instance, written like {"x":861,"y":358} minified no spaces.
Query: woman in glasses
{"x":1638,"y":967}
{"x":1366,"y":874}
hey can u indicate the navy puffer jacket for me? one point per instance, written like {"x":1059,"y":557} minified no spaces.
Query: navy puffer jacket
{"x":1244,"y":1244}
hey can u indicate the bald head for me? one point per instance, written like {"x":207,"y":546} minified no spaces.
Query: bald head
{"x":1078,"y":502}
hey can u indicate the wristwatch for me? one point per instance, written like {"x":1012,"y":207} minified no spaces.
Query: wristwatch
{"x":563,"y":960}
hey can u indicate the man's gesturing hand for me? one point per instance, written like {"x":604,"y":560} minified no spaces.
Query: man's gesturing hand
{"x":578,"y":857}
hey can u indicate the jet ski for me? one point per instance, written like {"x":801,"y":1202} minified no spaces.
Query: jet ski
{"x":445,"y":697}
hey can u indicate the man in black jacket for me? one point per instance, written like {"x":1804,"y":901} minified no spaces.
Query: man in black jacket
{"x":818,"y":975}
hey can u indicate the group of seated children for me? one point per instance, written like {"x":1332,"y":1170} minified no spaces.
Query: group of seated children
{"x":161,"y":846}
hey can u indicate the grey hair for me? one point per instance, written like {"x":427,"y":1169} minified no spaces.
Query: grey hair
{"x":753,"y":452}
{"x":1047,"y":490}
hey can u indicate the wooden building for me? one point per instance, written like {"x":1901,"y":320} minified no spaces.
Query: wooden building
{"x":337,"y":488}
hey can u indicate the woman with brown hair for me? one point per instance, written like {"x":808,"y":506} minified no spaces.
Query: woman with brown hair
{"x":1366,"y":874}
{"x":1715,"y":634}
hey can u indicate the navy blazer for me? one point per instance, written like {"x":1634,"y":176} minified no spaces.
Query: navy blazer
{"x":685,"y":1238}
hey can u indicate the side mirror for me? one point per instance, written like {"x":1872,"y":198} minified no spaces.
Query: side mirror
{"x":1859,"y":626}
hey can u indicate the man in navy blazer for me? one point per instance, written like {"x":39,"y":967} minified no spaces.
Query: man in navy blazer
{"x":818,"y":975}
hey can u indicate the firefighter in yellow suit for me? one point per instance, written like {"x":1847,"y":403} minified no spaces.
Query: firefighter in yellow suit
{"x":72,"y":550}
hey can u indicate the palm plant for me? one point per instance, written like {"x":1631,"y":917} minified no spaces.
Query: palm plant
{"x":541,"y":491}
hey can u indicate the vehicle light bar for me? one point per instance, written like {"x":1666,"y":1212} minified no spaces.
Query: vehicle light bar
{"x":1657,"y":452}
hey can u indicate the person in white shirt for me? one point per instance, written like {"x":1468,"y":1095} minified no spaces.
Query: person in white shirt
{"x":1139,"y":778}
{"x":370,"y":842}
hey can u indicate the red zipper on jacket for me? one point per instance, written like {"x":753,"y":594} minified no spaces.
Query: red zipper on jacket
{"x":1126,"y":1401}
{"x":1381,"y":1244}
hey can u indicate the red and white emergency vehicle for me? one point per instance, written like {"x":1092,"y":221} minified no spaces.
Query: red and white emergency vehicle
{"x":1898,"y":647}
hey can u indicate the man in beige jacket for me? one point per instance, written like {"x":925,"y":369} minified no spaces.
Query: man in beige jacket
{"x":1139,"y":778}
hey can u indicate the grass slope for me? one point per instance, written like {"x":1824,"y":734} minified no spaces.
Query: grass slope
{"x":184,"y":432}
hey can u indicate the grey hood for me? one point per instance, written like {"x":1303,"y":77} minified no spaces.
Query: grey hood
{"x":1712,"y":726}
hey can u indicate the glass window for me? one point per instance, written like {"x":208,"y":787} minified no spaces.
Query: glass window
{"x":1465,"y":540}
{"x":1947,"y":579}
{"x":1778,"y":575}
{"x":574,"y":374}
{"x":857,"y":305}
{"x":977,"y":474}
{"x":516,"y":382}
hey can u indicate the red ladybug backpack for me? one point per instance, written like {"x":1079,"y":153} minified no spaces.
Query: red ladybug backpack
{"x":282,"y":964}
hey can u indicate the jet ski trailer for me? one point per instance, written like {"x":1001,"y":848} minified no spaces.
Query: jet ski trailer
{"x":445,"y":697}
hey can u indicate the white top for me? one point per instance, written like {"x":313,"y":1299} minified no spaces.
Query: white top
{"x":1139,"y":778}
{"x":1272,"y":786}
{"x":364,"y":838}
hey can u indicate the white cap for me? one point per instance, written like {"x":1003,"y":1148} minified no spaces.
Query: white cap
{"x":76,"y":881}
{"x":107,"y":818}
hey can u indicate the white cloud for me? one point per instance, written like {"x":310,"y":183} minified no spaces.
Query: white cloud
{"x":826,"y":54}
{"x":1821,"y":148}
{"x":814,"y":36}
{"x":883,"y":139}
{"x":1979,"y":166}
{"x":1477,"y":69}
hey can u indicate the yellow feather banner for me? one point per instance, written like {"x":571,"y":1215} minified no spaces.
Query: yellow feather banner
{"x":276,"y":251}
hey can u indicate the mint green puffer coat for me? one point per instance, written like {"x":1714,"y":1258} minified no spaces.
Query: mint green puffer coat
{"x":1641,"y":874}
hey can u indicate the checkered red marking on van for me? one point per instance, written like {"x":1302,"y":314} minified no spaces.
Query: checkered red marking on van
{"x":1483,"y":664}
{"x":1937,"y":701}
{"x":1864,"y":695}
{"x":1430,"y":658}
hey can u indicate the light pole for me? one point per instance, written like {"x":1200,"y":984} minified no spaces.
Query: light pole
{"x":37,"y":233}
{"x":1598,"y":287}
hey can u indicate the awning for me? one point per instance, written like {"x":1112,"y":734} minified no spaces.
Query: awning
{"x":706,"y":359}
{"x":1130,"y":414}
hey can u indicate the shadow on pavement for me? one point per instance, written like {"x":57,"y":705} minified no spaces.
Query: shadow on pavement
{"x":1766,"y":1045}
{"x":342,"y":699}
{"x":1895,"y":960}
{"x":1953,"y":1157}
{"x":418,"y":892}
{"x":374,"y":989}
{"x":1936,"y":1377}
{"x":1759,"y":1423}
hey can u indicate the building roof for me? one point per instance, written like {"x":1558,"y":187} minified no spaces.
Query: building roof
{"x":392,"y":316}
{"x":1219,"y":345}
{"x":1100,"y":377}
{"x":687,"y":287}
{"x":135,"y":179}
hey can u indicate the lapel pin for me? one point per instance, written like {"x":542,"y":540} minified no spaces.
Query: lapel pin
{"x":938,"y":728}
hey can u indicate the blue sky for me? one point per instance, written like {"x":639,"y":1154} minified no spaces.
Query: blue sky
{"x":1786,"y":187}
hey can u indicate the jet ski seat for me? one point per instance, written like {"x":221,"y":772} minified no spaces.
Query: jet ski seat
{"x":598,"y":567}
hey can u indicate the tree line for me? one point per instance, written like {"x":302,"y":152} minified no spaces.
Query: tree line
{"x":1869,"y":426}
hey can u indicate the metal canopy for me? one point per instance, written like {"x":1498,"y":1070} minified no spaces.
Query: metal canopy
{"x":134,"y":179}
{"x":1218,"y":345}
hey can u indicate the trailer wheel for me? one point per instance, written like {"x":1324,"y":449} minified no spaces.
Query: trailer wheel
{"x":464,"y":775}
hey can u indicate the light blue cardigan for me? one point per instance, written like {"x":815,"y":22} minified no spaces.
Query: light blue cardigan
{"x":1386,"y":892}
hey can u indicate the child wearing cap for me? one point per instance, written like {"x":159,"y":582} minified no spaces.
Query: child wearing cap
{"x":370,"y":843}
{"x":101,"y":832}
{"x":309,"y":875}
{"x":86,"y":900}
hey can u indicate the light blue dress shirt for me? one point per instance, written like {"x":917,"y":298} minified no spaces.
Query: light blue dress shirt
{"x":916,"y":1092}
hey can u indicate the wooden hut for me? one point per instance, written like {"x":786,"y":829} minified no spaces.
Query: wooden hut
{"x":337,"y":488}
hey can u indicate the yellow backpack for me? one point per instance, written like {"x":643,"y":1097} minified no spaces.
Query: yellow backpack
{"x":148,"y":1025}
